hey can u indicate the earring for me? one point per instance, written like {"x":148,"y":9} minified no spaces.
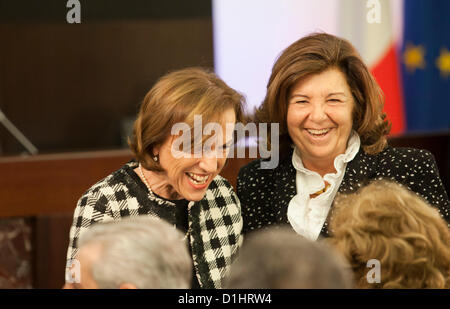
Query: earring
{"x":155,"y":158}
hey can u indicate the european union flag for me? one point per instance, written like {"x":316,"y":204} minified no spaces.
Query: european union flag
{"x":426,"y":65}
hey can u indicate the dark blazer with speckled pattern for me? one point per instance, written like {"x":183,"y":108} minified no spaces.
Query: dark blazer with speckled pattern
{"x":265,"y":193}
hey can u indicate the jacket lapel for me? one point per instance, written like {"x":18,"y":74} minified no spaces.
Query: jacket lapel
{"x":200,"y":264}
{"x":284,"y":186}
{"x":358,"y":172}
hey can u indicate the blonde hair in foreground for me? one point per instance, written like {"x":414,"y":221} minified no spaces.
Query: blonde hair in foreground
{"x":386,"y":221}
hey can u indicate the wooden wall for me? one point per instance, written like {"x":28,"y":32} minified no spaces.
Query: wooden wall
{"x":69,"y":86}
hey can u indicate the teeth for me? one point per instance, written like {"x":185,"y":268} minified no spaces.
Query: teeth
{"x":197,"y":179}
{"x":318,"y":132}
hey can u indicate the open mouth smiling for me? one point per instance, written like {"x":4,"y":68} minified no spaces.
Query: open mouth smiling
{"x":197,"y":179}
{"x":318,"y":132}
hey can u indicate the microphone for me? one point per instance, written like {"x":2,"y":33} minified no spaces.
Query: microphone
{"x":17,"y":134}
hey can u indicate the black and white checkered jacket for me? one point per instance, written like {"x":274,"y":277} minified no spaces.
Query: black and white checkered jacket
{"x":215,"y":221}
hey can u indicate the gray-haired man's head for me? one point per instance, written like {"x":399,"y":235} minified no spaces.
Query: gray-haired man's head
{"x":138,"y":252}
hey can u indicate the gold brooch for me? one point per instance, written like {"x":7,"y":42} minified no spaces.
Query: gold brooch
{"x":327,"y":185}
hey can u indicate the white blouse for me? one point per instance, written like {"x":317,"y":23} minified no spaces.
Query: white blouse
{"x":307,"y":215}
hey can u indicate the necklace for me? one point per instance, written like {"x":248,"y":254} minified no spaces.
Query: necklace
{"x":188,"y":232}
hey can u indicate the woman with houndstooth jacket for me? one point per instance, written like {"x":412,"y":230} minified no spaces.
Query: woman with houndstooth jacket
{"x":175,"y":174}
{"x":332,"y":140}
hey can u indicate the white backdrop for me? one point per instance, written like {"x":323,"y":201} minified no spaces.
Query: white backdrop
{"x":250,"y":34}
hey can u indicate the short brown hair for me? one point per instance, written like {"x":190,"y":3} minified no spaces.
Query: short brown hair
{"x":387,"y":222}
{"x":312,"y":55}
{"x":177,"y":97}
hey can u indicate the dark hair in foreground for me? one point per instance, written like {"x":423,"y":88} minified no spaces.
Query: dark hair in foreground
{"x":313,"y":55}
{"x":278,"y":258}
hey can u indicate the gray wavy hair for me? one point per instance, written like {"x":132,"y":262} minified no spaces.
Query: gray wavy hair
{"x":145,"y":251}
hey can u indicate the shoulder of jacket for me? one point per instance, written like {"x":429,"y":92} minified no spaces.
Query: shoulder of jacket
{"x":220,"y":189}
{"x":220,"y":181}
{"x":254,"y":168}
{"x":404,"y":153}
{"x":107,"y":185}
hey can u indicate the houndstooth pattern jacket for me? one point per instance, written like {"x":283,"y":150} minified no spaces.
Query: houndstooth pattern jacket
{"x":215,"y":221}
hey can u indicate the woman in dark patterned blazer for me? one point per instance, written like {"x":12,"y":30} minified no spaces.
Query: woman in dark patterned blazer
{"x":173,"y":178}
{"x":332,"y":140}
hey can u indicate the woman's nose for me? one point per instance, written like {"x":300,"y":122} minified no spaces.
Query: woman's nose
{"x":317,"y":113}
{"x":208,"y":164}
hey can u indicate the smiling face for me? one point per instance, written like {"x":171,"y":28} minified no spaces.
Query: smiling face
{"x":190,"y":177}
{"x":319,"y":117}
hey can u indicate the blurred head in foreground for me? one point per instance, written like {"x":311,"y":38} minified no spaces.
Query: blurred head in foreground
{"x":389,"y":223}
{"x":145,"y":253}
{"x":278,"y":258}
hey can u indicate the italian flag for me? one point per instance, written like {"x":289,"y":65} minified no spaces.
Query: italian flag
{"x":374,"y":27}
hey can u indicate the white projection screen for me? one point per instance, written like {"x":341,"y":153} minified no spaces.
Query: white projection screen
{"x":250,"y":34}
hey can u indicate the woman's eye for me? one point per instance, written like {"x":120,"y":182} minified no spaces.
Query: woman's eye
{"x":334,"y":100}
{"x":301,"y":102}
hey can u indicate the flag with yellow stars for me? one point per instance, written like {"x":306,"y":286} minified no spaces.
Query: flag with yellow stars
{"x":426,"y":65}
